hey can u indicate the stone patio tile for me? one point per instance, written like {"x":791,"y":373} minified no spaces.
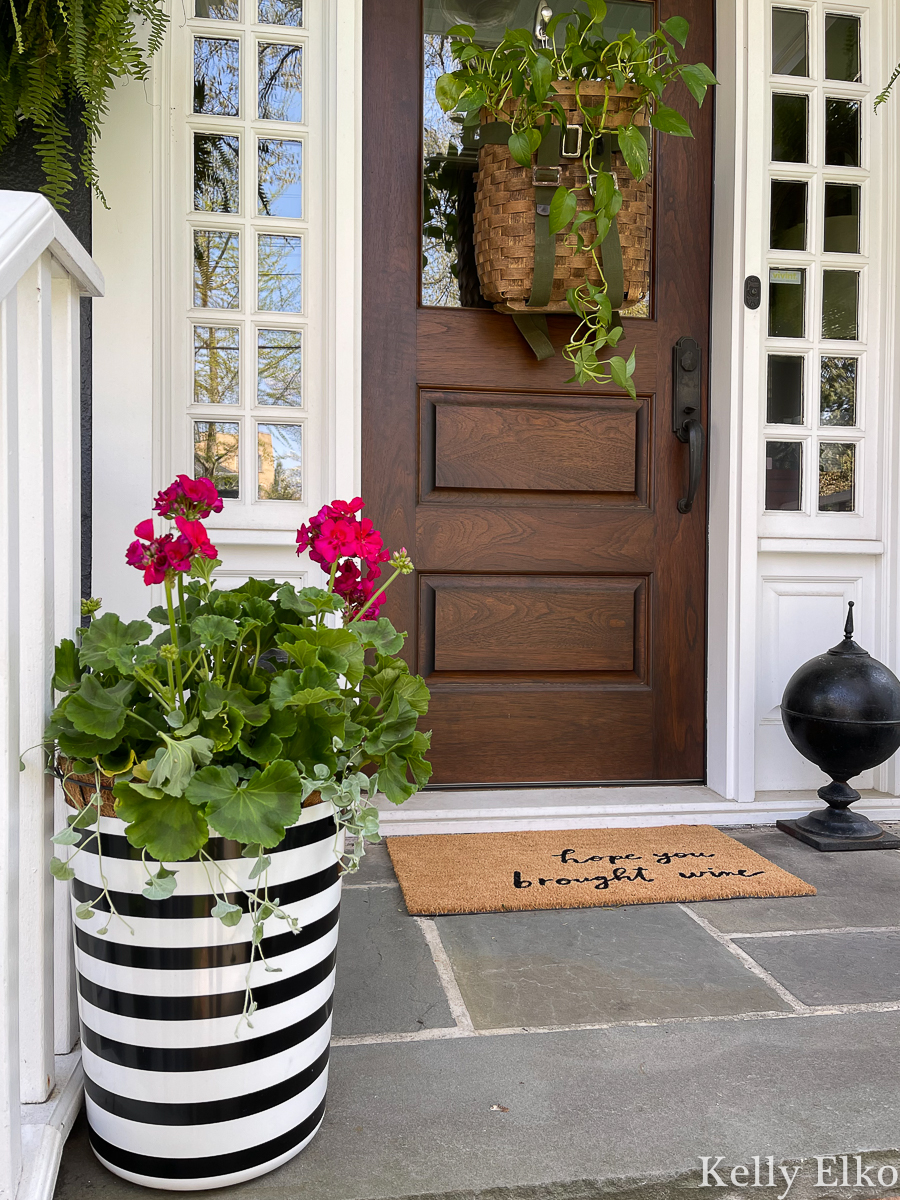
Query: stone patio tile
{"x":386,"y":978}
{"x":832,"y":968}
{"x":376,"y":867}
{"x":577,"y":966}
{"x":854,"y":889}
{"x":586,"y":1109}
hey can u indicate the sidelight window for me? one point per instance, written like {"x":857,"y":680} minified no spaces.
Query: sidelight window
{"x":818,"y":266}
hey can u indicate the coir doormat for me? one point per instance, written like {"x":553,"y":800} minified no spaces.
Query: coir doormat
{"x":581,"y":868}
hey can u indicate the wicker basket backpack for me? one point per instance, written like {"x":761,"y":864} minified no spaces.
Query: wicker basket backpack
{"x":525,"y":270}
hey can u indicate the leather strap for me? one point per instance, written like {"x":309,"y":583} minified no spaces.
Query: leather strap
{"x":611,"y":246}
{"x":533,"y":328}
{"x":546,"y":166}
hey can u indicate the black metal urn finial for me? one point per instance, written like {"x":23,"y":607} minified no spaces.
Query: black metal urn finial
{"x":842,"y":711}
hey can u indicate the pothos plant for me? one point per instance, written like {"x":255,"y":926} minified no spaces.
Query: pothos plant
{"x":514,"y":83}
{"x":239,"y":705}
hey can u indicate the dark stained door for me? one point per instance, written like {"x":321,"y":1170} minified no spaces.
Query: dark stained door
{"x":558,"y":608}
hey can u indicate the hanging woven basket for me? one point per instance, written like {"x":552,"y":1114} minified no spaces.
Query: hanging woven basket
{"x":505,"y":214}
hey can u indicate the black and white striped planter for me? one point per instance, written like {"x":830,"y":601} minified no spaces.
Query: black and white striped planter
{"x":174,"y":1099}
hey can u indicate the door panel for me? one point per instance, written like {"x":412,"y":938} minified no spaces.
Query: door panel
{"x":558,"y":610}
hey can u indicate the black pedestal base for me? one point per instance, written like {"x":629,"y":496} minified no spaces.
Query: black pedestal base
{"x":881,"y":839}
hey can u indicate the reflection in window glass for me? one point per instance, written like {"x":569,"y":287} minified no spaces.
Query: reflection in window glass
{"x":783,"y":476}
{"x":790,"y":117}
{"x":842,"y":48}
{"x":217,"y":455}
{"x":217,"y":364}
{"x":216,"y":173}
{"x":280,"y":82}
{"x":280,"y":273}
{"x":218,"y":10}
{"x":837,"y":397}
{"x":217,"y":269}
{"x":216,"y":79}
{"x":279,"y":365}
{"x":790,"y":42}
{"x":787,"y":301}
{"x":784,"y":400}
{"x":280,"y":191}
{"x":841,"y":132}
{"x":837,"y":482}
{"x":788,"y":216}
{"x":279,"y":462}
{"x":840,"y":305}
{"x":841,"y":218}
{"x":281,"y":12}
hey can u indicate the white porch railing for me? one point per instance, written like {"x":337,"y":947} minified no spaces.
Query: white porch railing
{"x":43,"y":272}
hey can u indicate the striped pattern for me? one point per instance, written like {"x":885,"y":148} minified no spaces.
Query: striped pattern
{"x":174,"y":1099}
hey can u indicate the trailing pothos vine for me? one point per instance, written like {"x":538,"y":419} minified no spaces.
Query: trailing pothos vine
{"x":56,"y":54}
{"x":514,"y":83}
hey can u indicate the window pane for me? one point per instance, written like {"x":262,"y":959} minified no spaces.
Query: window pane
{"x":217,"y":455}
{"x":217,"y":269}
{"x":280,"y":82}
{"x":841,"y":218}
{"x":216,"y":88}
{"x":280,"y":192}
{"x":218,"y":10}
{"x":280,"y":273}
{"x":842,"y":48}
{"x":787,"y":297}
{"x":837,"y":482}
{"x":279,"y":462}
{"x":217,"y":365}
{"x":789,"y":122}
{"x":788,"y":216}
{"x":841,"y":132}
{"x":783,"y":460}
{"x":784,"y":402}
{"x":837,"y":398}
{"x":216,"y":173}
{"x":840,"y":305}
{"x":790,"y":42}
{"x":279,"y":365}
{"x":281,"y":12}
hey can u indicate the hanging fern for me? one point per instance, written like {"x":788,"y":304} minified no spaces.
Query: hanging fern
{"x":54,"y":52}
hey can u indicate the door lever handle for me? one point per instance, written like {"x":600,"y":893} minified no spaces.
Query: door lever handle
{"x":686,"y":377}
{"x":692,"y":433}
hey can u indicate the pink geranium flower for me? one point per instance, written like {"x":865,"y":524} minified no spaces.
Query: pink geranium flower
{"x":189,"y":498}
{"x":161,"y":557}
{"x":196,"y":536}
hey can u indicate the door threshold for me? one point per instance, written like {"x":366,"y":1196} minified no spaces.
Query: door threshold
{"x":501,"y":810}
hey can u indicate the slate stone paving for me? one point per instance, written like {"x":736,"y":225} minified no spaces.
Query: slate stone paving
{"x":597,"y":1054}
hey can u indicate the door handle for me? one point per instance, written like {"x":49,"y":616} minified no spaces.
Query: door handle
{"x":686,"y":377}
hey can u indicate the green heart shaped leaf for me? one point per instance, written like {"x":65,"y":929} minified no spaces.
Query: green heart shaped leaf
{"x":258,"y":811}
{"x":635,"y":150}
{"x":106,"y":632}
{"x":98,"y":710}
{"x":169,"y":827}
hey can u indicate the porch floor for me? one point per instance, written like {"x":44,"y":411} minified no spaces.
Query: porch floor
{"x":601,"y":1052}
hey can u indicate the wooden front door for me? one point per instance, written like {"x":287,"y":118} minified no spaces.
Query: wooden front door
{"x":558,"y":608}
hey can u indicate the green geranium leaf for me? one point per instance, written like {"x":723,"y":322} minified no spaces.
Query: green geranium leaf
{"x":396,"y":726}
{"x":214,"y":631}
{"x":174,"y":763}
{"x":170,"y":828}
{"x":313,"y":741}
{"x":258,"y":609}
{"x":523,"y":144}
{"x":562,"y":209}
{"x":226,"y":605}
{"x":308,"y":600}
{"x":126,"y":659}
{"x":258,"y":811}
{"x":635,"y":150}
{"x":67,"y":673}
{"x":667,"y":120}
{"x":223,"y":729}
{"x":104,"y":633}
{"x":256,"y":587}
{"x":677,"y":28}
{"x":96,"y":709}
{"x":381,"y":635}
{"x":263,"y":749}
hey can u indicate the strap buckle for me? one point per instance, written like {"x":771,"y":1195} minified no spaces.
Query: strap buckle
{"x":546,"y":176}
{"x":576,"y":132}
